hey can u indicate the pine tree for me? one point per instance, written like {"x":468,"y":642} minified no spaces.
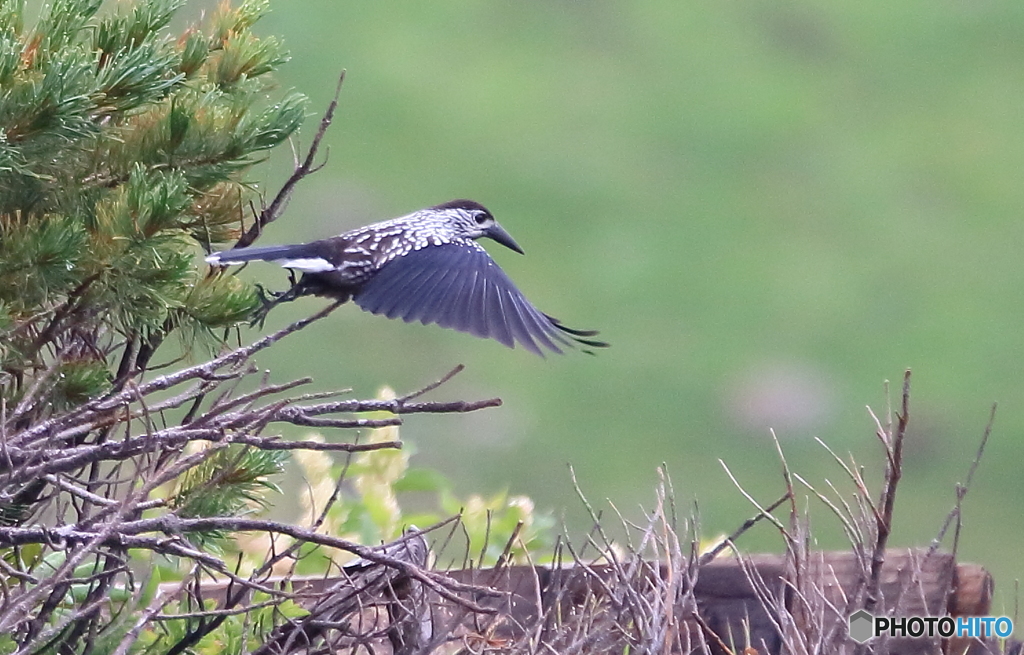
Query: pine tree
{"x":123,"y":155}
{"x":126,"y":153}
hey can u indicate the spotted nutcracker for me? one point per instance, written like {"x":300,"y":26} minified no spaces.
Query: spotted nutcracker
{"x":424,"y":266}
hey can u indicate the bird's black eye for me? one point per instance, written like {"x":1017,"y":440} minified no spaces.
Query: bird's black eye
{"x":481,"y":218}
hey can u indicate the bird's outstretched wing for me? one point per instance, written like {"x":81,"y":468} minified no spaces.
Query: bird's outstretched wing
{"x":459,"y":286}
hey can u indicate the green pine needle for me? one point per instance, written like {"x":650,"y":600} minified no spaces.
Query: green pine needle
{"x":38,"y":259}
{"x":78,"y":381}
{"x":231,"y":482}
{"x":125,"y":150}
{"x":220,"y":301}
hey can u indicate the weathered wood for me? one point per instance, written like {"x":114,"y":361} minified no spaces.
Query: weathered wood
{"x":973,"y":587}
{"x":733,"y":604}
{"x":369,"y":602}
{"x":913,"y":583}
{"x":731,"y":607}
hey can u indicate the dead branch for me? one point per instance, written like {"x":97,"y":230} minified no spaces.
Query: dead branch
{"x":307,"y":167}
{"x":93,"y":488}
{"x":893,"y":472}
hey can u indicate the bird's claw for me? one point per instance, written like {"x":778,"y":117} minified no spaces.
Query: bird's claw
{"x":268,"y":299}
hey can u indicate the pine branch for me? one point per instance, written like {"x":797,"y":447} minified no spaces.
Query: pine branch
{"x":127,"y":150}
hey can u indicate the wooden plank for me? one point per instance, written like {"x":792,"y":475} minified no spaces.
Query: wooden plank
{"x":547,"y":604}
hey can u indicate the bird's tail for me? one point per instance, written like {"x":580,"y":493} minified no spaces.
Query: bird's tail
{"x":262,"y":253}
{"x":578,"y":335}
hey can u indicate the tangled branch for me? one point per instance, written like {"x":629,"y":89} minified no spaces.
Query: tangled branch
{"x":87,"y":482}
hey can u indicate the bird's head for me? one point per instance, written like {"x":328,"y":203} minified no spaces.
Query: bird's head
{"x":472,"y":220}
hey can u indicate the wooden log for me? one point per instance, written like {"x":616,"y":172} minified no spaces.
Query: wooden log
{"x":740,"y":606}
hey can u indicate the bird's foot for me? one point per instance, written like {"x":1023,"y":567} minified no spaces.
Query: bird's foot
{"x":269,"y":300}
{"x":268,"y":297}
{"x":259,"y":316}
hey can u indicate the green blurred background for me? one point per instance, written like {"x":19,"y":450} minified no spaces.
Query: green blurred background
{"x":767,"y":207}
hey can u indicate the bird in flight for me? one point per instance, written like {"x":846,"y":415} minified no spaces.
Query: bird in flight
{"x":424,"y":266}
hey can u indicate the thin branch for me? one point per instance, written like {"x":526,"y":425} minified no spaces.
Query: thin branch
{"x":128,"y":534}
{"x":433,"y":385}
{"x":749,"y":523}
{"x":274,"y":443}
{"x":762,"y":511}
{"x":962,"y":489}
{"x":205,"y":371}
{"x":893,"y":473}
{"x":160,"y":600}
{"x":69,"y":306}
{"x":308,"y":166}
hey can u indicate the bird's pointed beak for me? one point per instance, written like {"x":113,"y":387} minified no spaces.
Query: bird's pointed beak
{"x":499,"y":234}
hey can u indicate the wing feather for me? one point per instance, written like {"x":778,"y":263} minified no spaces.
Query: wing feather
{"x":497,"y":317}
{"x":539,"y":328}
{"x":430,"y":293}
{"x":459,"y":286}
{"x":518,"y":324}
{"x":401,"y":293}
{"x":473,"y":312}
{"x":462,"y":305}
{"x":441,"y":312}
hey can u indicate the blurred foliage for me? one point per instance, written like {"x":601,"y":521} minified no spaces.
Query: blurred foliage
{"x":372,"y":488}
{"x":363,"y":497}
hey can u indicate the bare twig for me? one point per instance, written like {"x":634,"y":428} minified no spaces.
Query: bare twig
{"x":433,"y":385}
{"x":205,"y":371}
{"x":893,"y":471}
{"x":762,"y":511}
{"x":962,"y":489}
{"x":307,"y":167}
{"x":749,"y":523}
